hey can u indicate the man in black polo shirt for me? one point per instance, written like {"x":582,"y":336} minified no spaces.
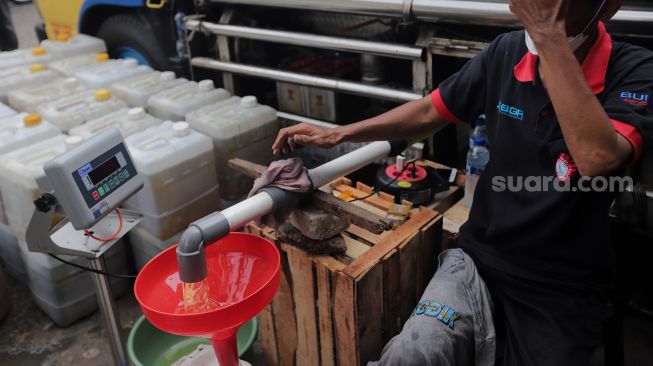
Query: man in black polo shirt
{"x":564,"y":103}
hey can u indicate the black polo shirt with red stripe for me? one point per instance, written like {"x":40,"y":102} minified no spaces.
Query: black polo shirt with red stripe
{"x":543,"y":235}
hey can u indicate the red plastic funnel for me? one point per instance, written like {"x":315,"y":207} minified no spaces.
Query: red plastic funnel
{"x":243,"y":278}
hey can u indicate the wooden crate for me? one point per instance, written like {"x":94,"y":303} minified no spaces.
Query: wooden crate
{"x":341,"y":310}
{"x":453,"y":219}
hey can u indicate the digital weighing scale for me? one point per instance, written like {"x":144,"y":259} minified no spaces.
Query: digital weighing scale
{"x":87,"y":184}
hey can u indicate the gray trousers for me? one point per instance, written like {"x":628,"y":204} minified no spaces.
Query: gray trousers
{"x":8,"y":40}
{"x":452,"y":324}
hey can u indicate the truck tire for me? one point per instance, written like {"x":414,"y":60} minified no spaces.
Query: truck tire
{"x":131,"y":36}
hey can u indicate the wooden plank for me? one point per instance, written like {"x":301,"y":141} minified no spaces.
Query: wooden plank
{"x":354,"y":247}
{"x":368,"y":207}
{"x":301,"y":267}
{"x":267,"y":336}
{"x":453,"y":219}
{"x":363,"y":234}
{"x":386,"y":196}
{"x":364,"y":187}
{"x":391,"y":295}
{"x":357,"y":215}
{"x":344,"y":308}
{"x":430,"y":248}
{"x":342,"y":180}
{"x":330,"y":262}
{"x":325,"y":318}
{"x":391,"y":241}
{"x":408,"y":253}
{"x":369,"y":314}
{"x":283,"y":311}
{"x":373,"y":200}
{"x":457,"y":215}
{"x":246,"y":167}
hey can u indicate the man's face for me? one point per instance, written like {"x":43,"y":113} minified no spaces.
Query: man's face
{"x":581,"y":12}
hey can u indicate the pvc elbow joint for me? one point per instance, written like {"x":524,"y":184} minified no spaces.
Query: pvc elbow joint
{"x":190,"y":256}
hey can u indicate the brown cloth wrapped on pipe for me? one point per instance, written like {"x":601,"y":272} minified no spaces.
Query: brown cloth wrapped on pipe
{"x":306,"y":227}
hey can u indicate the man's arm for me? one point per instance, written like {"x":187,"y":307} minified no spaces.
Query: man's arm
{"x":413,"y":120}
{"x":595,"y":146}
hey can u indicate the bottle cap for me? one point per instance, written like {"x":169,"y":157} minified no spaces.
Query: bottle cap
{"x":63,"y":37}
{"x":102,"y":94}
{"x":101,"y":57}
{"x":70,"y":82}
{"x":480,"y":120}
{"x":72,"y":141}
{"x":39,"y":51}
{"x":36,"y":68}
{"x":135,"y":114}
{"x":206,"y":85}
{"x":167,"y":76}
{"x":180,"y":129}
{"x":130,"y":62}
{"x":32,"y":120}
{"x":248,"y":101}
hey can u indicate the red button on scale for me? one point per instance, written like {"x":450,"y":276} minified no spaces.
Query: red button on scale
{"x":96,"y":195}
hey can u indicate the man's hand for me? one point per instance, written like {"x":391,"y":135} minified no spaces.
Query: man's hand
{"x":304,"y":134}
{"x":542,"y":18}
{"x":413,"y":120}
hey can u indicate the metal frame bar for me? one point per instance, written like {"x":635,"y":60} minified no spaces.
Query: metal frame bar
{"x":310,"y":40}
{"x":304,"y":119}
{"x":308,"y":80}
{"x":472,"y":11}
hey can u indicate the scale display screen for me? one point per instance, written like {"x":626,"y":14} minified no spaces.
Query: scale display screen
{"x":106,"y":169}
{"x":101,"y":177}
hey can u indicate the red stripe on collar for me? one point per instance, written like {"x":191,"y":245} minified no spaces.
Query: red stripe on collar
{"x":595,"y":65}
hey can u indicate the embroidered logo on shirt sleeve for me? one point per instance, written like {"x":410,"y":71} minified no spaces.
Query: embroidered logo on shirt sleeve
{"x":635,"y":98}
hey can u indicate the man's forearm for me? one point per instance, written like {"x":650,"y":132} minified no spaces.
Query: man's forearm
{"x":587,"y":129}
{"x":413,"y":120}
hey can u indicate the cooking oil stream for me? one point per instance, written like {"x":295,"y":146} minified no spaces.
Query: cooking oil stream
{"x":196,"y":297}
{"x":236,"y":270}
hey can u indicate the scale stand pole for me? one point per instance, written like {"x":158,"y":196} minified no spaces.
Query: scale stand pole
{"x":109,"y":311}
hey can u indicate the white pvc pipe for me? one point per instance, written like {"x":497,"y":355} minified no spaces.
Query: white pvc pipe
{"x":261,"y":203}
{"x":349,"y":163}
{"x":250,"y":209}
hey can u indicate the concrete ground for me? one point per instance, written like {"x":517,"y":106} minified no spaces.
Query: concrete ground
{"x":29,"y":337}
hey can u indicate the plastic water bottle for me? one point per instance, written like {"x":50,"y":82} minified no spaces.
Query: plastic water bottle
{"x":477,"y":159}
{"x":478,"y":130}
{"x":182,"y":51}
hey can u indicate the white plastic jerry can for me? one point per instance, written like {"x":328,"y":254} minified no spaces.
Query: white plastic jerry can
{"x":102,"y":75}
{"x":28,"y":99}
{"x":128,"y":121}
{"x":23,"y":130}
{"x":137,"y":90}
{"x":173,"y":104}
{"x":240,"y":128}
{"x":20,"y":77}
{"x":66,"y":46}
{"x":70,"y":65}
{"x":79,"y":108}
{"x":24,"y":56}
